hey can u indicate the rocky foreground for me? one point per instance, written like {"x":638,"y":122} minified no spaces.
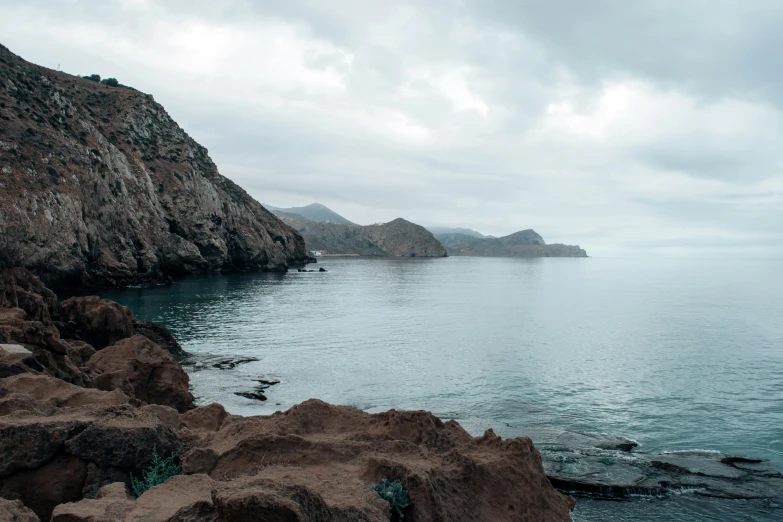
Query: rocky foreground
{"x":99,"y":186}
{"x":87,"y":393}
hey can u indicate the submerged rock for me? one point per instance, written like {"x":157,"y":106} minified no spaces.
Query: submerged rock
{"x":603,"y":466}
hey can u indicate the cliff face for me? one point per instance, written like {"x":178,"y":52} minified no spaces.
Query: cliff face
{"x":526,"y":243}
{"x":398,"y":238}
{"x":99,"y":186}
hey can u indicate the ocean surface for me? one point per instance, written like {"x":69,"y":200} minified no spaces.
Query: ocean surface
{"x":675,"y":354}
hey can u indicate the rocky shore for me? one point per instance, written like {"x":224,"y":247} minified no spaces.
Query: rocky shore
{"x":89,"y":395}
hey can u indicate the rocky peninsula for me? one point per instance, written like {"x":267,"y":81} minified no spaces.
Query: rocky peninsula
{"x":525,"y":243}
{"x":397,"y":238}
{"x":89,"y":395}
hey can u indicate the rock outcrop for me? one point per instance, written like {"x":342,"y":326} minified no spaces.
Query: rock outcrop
{"x":143,"y":370}
{"x":70,"y":448}
{"x":99,"y":186}
{"x":525,"y":243}
{"x":15,"y":511}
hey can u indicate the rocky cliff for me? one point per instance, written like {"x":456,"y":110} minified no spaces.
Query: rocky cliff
{"x":526,"y":243}
{"x":100,"y":186}
{"x":398,"y":238}
{"x":77,"y":420}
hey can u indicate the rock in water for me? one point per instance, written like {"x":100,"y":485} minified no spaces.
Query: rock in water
{"x":101,"y":187}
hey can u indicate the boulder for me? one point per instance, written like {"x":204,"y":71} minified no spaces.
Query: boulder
{"x":19,"y":288}
{"x":111,"y":503}
{"x":143,"y":370}
{"x":49,"y":353}
{"x":328,"y":455}
{"x":15,"y":511}
{"x":159,"y":335}
{"x":54,"y":457}
{"x":50,"y":391}
{"x":96,"y":321}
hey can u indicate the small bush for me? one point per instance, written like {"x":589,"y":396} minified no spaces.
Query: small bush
{"x":111,"y":82}
{"x":394,"y":494}
{"x":93,"y":77}
{"x":158,"y":473}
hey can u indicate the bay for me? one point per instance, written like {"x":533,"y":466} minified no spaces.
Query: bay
{"x":676,"y":354}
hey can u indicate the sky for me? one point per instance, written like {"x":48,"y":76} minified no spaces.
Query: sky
{"x":646,"y":128}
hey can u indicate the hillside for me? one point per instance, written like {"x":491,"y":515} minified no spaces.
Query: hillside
{"x":526,"y":243}
{"x":398,"y":238}
{"x":313,"y":212}
{"x":101,"y":187}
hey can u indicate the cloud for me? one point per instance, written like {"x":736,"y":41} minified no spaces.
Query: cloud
{"x":627,"y":127}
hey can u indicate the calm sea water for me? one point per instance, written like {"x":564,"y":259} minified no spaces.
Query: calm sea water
{"x":675,"y":354}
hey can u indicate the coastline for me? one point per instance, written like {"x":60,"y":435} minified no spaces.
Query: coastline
{"x":104,"y":407}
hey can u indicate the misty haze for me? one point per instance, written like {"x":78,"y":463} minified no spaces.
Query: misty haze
{"x":458,"y":260}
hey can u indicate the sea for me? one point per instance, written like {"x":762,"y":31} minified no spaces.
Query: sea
{"x":676,"y":354}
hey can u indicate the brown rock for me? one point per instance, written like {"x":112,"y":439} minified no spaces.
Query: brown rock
{"x":19,"y":288}
{"x":79,"y":352}
{"x":43,"y":340}
{"x":15,"y":511}
{"x":205,"y":418}
{"x":48,"y":459}
{"x":58,"y":393}
{"x":143,"y":370}
{"x":318,"y":451}
{"x":97,"y":321}
{"x":59,"y":480}
{"x":111,"y":503}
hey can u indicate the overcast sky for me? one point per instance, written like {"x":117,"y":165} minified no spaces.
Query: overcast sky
{"x":651,"y":128}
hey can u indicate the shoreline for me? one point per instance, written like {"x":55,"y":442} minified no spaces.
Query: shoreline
{"x":109,"y":405}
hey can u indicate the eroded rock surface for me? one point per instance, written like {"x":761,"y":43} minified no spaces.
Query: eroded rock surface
{"x":604,"y":466}
{"x":143,"y":370}
{"x":101,"y":187}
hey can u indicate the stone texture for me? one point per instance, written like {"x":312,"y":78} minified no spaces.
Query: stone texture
{"x":96,"y":321}
{"x":143,"y":370}
{"x":15,"y":511}
{"x":101,"y":187}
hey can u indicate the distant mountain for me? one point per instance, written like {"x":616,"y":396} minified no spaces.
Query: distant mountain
{"x":455,"y":230}
{"x":526,"y":243}
{"x":313,"y":212}
{"x":398,"y":238}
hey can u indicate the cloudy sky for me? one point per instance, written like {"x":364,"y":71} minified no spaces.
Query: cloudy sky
{"x":644,"y":128}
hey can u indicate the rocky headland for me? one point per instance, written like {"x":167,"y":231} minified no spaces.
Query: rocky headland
{"x":397,"y":238}
{"x":88,"y":397}
{"x":525,"y":243}
{"x":99,"y":186}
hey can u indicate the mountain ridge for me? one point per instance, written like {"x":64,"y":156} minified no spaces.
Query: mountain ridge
{"x":524,"y":243}
{"x":313,"y":212}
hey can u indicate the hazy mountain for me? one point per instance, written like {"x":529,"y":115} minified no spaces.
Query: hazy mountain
{"x":398,"y":238}
{"x":313,"y":212}
{"x":455,"y":230}
{"x":526,"y":243}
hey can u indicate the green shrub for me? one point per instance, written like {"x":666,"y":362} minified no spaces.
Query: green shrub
{"x":158,"y":473}
{"x":93,"y":77}
{"x":394,"y":494}
{"x":111,"y":82}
